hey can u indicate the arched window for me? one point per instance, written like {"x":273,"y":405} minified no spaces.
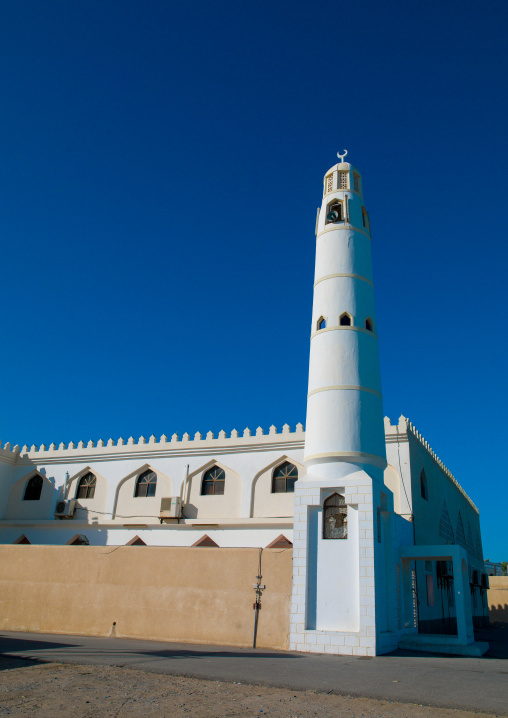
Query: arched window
{"x":423,"y":486}
{"x":345,"y":320}
{"x":146,"y":484}
{"x":213,"y":482}
{"x":321,"y":323}
{"x":33,"y":489}
{"x":86,"y":488}
{"x":335,"y":517}
{"x":284,"y":477}
{"x":334,"y":212}
{"x":368,"y":325}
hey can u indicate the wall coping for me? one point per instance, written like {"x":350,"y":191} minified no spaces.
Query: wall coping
{"x":398,"y":433}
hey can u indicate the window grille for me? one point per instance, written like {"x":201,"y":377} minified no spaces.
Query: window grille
{"x":146,"y":484}
{"x":33,"y":489}
{"x":329,"y":184}
{"x":343,"y":183}
{"x":213,"y":482}
{"x":356,"y":182}
{"x":284,"y":478}
{"x":86,"y":487}
{"x":335,"y":517}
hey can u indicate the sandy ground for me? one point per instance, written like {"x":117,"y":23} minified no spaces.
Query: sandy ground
{"x":51,"y":690}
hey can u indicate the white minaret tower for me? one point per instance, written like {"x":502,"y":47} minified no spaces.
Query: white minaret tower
{"x":343,"y":581}
{"x":344,"y":406}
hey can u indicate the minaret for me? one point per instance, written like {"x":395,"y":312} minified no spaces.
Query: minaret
{"x":343,"y":564}
{"x":344,"y":427}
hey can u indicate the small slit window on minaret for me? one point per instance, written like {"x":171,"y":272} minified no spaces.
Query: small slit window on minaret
{"x":356,"y":182}
{"x":369,"y":326}
{"x":329,"y":184}
{"x":335,"y":517}
{"x":345,"y":320}
{"x":321,"y":323}
{"x":365,"y":218}
{"x":334,"y":212}
{"x":343,"y":180}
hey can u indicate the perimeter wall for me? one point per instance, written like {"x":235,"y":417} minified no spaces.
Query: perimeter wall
{"x":195,"y":595}
{"x":497,"y":596}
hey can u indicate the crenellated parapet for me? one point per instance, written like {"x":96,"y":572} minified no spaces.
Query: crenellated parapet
{"x":399,"y":432}
{"x":98,"y":449}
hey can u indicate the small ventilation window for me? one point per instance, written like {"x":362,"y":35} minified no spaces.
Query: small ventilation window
{"x":329,"y":184}
{"x":335,"y":517}
{"x":334,"y":212}
{"x":368,"y":325}
{"x":356,"y":182}
{"x":424,"y":489}
{"x":146,"y":485}
{"x":213,"y":482}
{"x":321,"y":323}
{"x":343,"y":180}
{"x":86,"y":487}
{"x":284,"y":478}
{"x":345,"y":320}
{"x":33,"y":489}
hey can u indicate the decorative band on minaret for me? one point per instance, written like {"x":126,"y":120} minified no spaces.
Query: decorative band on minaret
{"x":344,"y":405}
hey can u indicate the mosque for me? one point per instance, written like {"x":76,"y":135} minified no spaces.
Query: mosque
{"x":386,"y":545}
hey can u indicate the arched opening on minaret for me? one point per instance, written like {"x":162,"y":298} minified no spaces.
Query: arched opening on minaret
{"x":321,"y":323}
{"x":369,"y":326}
{"x":346,"y":320}
{"x":334,"y":212}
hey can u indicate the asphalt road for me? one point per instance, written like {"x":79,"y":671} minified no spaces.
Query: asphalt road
{"x":475,"y":684}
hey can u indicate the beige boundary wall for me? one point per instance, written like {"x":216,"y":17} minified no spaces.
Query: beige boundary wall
{"x":196,"y":595}
{"x":497,"y":596}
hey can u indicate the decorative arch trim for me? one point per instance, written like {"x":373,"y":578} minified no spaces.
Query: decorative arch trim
{"x":137,"y":472}
{"x":22,"y":540}
{"x":272,"y":466}
{"x":201,"y":472}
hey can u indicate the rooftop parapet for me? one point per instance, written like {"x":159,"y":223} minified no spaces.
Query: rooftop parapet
{"x":394,"y":432}
{"x":121,"y":445}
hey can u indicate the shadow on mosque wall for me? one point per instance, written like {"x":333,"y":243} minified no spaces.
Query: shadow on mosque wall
{"x":499,"y":614}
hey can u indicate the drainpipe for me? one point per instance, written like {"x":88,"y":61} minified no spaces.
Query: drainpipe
{"x":258,"y":588}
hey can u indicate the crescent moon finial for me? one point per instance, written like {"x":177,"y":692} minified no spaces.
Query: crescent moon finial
{"x":341,"y":157}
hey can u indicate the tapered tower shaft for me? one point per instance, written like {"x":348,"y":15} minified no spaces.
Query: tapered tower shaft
{"x":344,"y":428}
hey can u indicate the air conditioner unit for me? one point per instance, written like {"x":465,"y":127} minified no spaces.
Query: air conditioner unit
{"x":171,"y":508}
{"x":65,"y":509}
{"x":444,"y":569}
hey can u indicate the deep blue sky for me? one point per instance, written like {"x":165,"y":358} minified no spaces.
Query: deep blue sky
{"x":162,"y":163}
